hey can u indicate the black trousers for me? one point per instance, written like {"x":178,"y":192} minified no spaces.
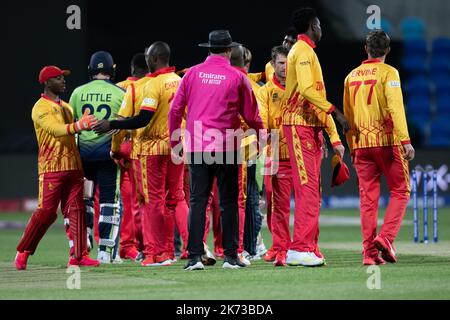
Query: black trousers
{"x":253,"y":216}
{"x":201,"y":175}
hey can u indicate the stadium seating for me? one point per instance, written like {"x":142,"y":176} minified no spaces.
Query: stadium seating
{"x":418,"y":85}
{"x":416,"y":47}
{"x":415,"y":52}
{"x":419,"y":106}
{"x":443,"y":105}
{"x":440,"y":133}
{"x":427,"y":83}
{"x":415,"y":65}
{"x":441,"y":46}
{"x":413,"y":28}
{"x":440,"y":64}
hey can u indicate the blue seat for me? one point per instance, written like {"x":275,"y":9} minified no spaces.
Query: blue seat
{"x":439,"y":133}
{"x":443,"y":104}
{"x":440,"y":63}
{"x":441,"y":46}
{"x":418,"y":104}
{"x":418,"y":85}
{"x":442,"y":83}
{"x":413,"y":28}
{"x":421,"y":121}
{"x":415,"y":47}
{"x":415,"y":65}
{"x":437,"y":76}
{"x":440,"y":141}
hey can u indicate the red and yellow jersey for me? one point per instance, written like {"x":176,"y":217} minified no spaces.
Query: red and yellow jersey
{"x":158,"y":93}
{"x":58,"y":150}
{"x":257,"y":77}
{"x":125,"y":83}
{"x":265,"y":76}
{"x":373,"y":105}
{"x":269,"y":71}
{"x":270,"y":102}
{"x":307,"y":104}
{"x":130,"y":107}
{"x":251,"y":139}
{"x":255,"y":85}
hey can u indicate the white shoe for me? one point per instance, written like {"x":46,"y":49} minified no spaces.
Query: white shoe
{"x":104,"y":257}
{"x":307,"y":259}
{"x":117,"y":260}
{"x":208,"y":258}
{"x":261,"y":250}
{"x":243,"y":259}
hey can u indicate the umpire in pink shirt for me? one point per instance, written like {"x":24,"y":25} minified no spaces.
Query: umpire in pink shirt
{"x":215,"y":95}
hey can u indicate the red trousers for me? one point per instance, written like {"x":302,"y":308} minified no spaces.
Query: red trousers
{"x":370,"y":164}
{"x":65,"y":187}
{"x":269,"y":190}
{"x":305,"y":154}
{"x":162,"y":186}
{"x":282,"y":188}
{"x":214,"y":208}
{"x":242,"y":198}
{"x":130,"y":210}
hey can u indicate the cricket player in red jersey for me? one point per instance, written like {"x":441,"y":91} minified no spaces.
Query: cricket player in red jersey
{"x":380,"y":144}
{"x":162,"y":180}
{"x":270,"y":100}
{"x":60,"y":171}
{"x":131,"y":228}
{"x":306,"y":113}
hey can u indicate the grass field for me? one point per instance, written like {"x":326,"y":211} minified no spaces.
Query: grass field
{"x":422,"y":271}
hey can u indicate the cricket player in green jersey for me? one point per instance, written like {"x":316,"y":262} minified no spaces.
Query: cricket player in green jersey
{"x":103,"y":99}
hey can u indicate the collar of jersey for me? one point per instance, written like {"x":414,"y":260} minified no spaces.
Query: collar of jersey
{"x":371,"y":61}
{"x":277,"y":82}
{"x":43,"y":95}
{"x":162,"y":71}
{"x":305,"y":38}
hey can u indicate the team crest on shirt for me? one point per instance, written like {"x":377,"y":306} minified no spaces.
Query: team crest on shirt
{"x":394,"y":84}
{"x":149,"y":102}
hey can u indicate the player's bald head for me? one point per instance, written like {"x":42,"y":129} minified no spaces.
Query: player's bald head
{"x":159,"y":50}
{"x":237,"y":57}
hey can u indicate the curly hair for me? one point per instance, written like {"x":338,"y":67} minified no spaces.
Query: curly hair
{"x":377,"y":42}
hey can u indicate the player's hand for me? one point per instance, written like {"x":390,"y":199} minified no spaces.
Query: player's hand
{"x":177,"y":157}
{"x":339,"y":150}
{"x":87,"y":122}
{"x":342,"y":120}
{"x":102,"y":127}
{"x":324,"y":149}
{"x":409,"y":152}
{"x":119,"y":160}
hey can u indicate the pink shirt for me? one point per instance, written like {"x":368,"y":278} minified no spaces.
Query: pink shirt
{"x":215,"y":94}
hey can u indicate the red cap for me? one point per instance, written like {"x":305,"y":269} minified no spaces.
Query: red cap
{"x":340,"y":171}
{"x":51,"y":72}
